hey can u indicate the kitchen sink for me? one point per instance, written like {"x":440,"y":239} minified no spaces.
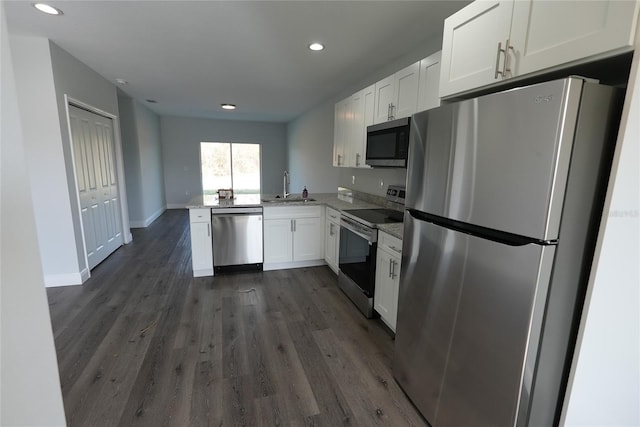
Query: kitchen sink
{"x":288,"y":200}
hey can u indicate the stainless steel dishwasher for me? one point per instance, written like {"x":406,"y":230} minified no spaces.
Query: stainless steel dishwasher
{"x":237,"y":237}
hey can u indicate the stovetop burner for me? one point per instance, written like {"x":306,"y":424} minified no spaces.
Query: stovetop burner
{"x":373,"y":217}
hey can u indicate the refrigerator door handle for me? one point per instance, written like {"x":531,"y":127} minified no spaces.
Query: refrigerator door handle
{"x":479,"y":231}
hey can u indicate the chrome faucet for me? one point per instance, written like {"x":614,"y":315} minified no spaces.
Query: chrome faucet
{"x":285,"y":185}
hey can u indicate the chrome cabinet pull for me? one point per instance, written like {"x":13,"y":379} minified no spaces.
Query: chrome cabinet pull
{"x":506,"y":71}
{"x":390,"y":273}
{"x":393,"y":269}
{"x":291,"y":225}
{"x":498,"y":72}
{"x":294,"y":226}
{"x":208,"y":230}
{"x":393,"y":110}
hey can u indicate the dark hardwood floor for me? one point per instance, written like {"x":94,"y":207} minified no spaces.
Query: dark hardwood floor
{"x":144,"y":343}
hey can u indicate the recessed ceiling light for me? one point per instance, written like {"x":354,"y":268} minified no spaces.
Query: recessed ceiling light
{"x":152,"y":101}
{"x":316,"y":46}
{"x":122,"y":82}
{"x":42,"y":7}
{"x":228,"y":106}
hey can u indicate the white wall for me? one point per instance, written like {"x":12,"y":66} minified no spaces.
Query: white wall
{"x":142,"y":148}
{"x":310,"y":139}
{"x":181,"y":139}
{"x":604,"y":388}
{"x":30,"y":392}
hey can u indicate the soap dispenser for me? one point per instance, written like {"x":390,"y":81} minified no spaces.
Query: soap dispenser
{"x":305,"y":193}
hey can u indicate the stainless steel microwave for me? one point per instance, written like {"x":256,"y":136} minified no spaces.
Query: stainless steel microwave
{"x":388,"y":143}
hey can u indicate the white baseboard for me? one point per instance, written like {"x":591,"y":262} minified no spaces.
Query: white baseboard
{"x":287,"y":265}
{"x":68,"y":279}
{"x":147,"y":222}
{"x":176,"y":206}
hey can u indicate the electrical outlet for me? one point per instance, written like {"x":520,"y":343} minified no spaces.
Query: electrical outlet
{"x":353,"y":179}
{"x":381,"y":184}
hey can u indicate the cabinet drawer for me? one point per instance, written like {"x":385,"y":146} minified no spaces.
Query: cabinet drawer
{"x":333,"y":215}
{"x":288,"y":212}
{"x":389,"y":243}
{"x":200,"y":215}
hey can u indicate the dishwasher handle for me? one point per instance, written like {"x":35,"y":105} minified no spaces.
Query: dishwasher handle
{"x":235,"y":211}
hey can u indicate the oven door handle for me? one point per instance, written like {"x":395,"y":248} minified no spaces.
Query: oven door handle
{"x":356,"y":230}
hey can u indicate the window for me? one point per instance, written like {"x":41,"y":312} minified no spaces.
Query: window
{"x":230,"y":165}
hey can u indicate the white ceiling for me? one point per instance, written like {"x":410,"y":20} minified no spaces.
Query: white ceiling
{"x":191,"y":56}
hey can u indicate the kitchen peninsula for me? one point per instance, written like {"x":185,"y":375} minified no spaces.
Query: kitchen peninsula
{"x":289,"y":223}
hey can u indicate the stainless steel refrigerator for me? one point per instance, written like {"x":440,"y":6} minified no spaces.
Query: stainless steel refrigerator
{"x":504,"y":198}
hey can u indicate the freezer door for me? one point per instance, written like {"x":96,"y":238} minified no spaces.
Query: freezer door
{"x":469,"y":316}
{"x":499,"y":161}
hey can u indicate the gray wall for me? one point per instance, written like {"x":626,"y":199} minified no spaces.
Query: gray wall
{"x":44,"y":75}
{"x":310,"y":139}
{"x":310,"y":145}
{"x":30,"y":386}
{"x":181,"y":138}
{"x":76,"y":80}
{"x":46,"y":159}
{"x":142,"y":149}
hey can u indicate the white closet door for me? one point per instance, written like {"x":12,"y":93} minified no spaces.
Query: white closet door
{"x":93,"y":149}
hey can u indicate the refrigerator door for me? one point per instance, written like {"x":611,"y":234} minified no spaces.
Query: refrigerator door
{"x":499,"y":161}
{"x":470,"y":310}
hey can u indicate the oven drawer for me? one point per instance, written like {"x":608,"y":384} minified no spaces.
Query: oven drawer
{"x":389,"y":243}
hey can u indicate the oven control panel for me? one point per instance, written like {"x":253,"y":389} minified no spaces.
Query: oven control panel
{"x":396,"y":193}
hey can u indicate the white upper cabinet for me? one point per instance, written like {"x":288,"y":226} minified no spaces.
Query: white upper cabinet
{"x":405,"y":91}
{"x":428,"y":96}
{"x":396,"y":96}
{"x":489,"y":41}
{"x":339,"y":131}
{"x":352,"y":116}
{"x":470,"y":45}
{"x":548,"y":33}
{"x":384,"y":97}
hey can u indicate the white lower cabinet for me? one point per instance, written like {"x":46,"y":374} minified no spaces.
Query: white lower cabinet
{"x":201,"y":242}
{"x":332,"y":238}
{"x":293,"y":237}
{"x":385,"y":300}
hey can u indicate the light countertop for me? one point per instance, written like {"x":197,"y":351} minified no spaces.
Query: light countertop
{"x":396,"y":229}
{"x":244,"y":200}
{"x":332,"y":200}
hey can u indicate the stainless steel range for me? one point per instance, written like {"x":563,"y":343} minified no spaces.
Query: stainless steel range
{"x":358,"y":246}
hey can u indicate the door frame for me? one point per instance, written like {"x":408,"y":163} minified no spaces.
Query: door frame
{"x":119,"y":161}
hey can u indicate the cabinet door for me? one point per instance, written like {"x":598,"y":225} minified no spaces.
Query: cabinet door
{"x":330,"y":246}
{"x":383,"y":295}
{"x":307,"y":239}
{"x":278,"y":240}
{"x":428,"y":96}
{"x":358,"y":135}
{"x":549,"y":33}
{"x":405,"y":91}
{"x":339,"y":128}
{"x":384,"y":97}
{"x":470,"y":53}
{"x":201,"y":249}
